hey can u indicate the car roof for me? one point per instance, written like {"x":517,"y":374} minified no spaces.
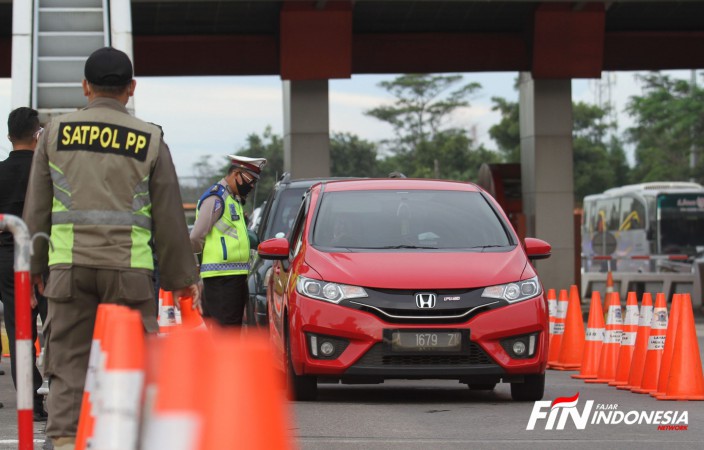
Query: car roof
{"x":308,"y":182}
{"x":399,"y":183}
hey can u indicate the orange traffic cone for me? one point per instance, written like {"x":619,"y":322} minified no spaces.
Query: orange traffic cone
{"x":119,"y":386}
{"x":177,"y":417}
{"x":628,"y":341}
{"x":593,"y":340}
{"x":558,"y":329}
{"x":572,"y":346}
{"x":641,"y":348}
{"x":86,"y":420}
{"x":656,"y":345}
{"x":612,"y":342}
{"x":167,"y":312}
{"x":668,"y":352}
{"x":260,"y":417}
{"x":190,"y":318}
{"x":686,"y":381}
{"x":609,"y":284}
{"x":552,"y":309}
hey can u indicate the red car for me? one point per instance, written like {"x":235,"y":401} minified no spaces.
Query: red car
{"x":406,"y":279}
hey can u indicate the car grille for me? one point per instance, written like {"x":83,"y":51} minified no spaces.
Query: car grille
{"x":376,"y":357}
{"x":435,"y":316}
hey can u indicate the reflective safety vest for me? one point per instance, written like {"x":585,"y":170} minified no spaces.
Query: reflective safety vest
{"x":226,"y":248}
{"x":100,"y":161}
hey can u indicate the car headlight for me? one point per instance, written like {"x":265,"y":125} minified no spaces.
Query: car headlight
{"x":329,"y":292}
{"x":514,"y":292}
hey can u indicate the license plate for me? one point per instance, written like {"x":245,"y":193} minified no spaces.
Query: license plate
{"x":426,"y":341}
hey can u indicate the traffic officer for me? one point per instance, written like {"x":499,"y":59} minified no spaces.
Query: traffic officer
{"x":220,"y":233}
{"x":102,"y":185}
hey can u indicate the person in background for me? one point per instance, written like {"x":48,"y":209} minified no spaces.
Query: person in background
{"x":24,"y":132}
{"x":102,"y":184}
{"x":220,"y":233}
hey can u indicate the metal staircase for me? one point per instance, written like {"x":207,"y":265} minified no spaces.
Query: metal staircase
{"x":65,"y":32}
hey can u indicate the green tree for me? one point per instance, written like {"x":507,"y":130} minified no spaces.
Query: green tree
{"x":507,"y":133}
{"x":351,"y":156}
{"x":599,"y":159}
{"x":421,"y":107}
{"x":669,"y":122}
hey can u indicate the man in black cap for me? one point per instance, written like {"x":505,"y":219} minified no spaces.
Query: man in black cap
{"x":102,"y":185}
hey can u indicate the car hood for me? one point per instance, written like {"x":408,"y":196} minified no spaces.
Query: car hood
{"x":419,"y":270}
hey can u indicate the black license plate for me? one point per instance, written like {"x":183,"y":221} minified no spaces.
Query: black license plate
{"x":426,"y":341}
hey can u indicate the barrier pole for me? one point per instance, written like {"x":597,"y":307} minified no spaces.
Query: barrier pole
{"x":23,"y":333}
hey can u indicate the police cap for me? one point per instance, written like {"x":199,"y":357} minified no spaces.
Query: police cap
{"x":108,"y":66}
{"x":253,"y":166}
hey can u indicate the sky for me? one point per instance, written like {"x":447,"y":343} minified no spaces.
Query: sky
{"x":213,"y":115}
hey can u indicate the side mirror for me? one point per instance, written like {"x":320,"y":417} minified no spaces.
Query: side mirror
{"x":537,"y":248}
{"x":276,"y":248}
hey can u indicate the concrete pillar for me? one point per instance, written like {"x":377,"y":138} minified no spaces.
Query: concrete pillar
{"x":546,"y":172}
{"x":22,"y":12}
{"x":306,"y":128}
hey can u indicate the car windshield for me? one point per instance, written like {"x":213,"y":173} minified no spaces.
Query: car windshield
{"x":414,"y":219}
{"x":285,"y":213}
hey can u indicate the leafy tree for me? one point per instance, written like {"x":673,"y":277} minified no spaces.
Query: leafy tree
{"x":351,"y":156}
{"x":669,"y":120}
{"x":507,"y":133}
{"x":599,"y":160}
{"x":422,"y":106}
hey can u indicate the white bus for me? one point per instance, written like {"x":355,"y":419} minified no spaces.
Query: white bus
{"x":650,"y":235}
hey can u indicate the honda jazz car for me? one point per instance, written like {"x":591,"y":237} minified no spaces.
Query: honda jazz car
{"x":406,"y":279}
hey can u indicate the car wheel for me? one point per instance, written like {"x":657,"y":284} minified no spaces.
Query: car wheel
{"x":481,"y":386}
{"x":531,"y":390}
{"x":300,"y":387}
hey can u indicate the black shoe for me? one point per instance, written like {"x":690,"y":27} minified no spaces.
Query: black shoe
{"x":40,"y":415}
{"x":2,"y":372}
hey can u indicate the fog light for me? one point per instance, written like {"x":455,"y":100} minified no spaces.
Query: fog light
{"x":314,"y":345}
{"x":327,"y":348}
{"x":519,"y":348}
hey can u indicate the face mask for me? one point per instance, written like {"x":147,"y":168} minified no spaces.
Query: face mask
{"x":243,"y":188}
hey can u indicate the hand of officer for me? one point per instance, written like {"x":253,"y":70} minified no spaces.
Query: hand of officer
{"x":37,"y":286}
{"x":193,"y":291}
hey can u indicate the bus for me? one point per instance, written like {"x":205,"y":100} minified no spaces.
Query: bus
{"x":650,"y":235}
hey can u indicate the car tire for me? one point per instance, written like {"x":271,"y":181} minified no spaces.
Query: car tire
{"x":302,"y":388}
{"x":481,"y":386}
{"x":530,"y":390}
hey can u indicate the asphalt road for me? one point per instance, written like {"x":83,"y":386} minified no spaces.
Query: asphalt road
{"x":447,"y":415}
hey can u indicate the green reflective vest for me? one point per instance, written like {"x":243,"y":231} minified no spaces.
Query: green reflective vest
{"x":226,"y":248}
{"x":100,"y":162}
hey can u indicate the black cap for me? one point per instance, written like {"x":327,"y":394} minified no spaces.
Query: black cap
{"x":108,"y":67}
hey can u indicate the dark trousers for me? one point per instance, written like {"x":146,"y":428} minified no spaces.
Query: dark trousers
{"x":7,"y":295}
{"x":224,"y":299}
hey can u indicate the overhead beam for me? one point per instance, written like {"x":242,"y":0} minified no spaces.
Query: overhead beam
{"x":568,"y":42}
{"x":315,"y":40}
{"x":388,"y":53}
{"x":206,"y":55}
{"x":439,"y":52}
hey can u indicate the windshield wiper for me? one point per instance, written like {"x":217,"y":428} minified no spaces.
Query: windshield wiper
{"x":406,"y":246}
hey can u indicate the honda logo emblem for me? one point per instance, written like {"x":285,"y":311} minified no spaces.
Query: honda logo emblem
{"x":425,"y":300}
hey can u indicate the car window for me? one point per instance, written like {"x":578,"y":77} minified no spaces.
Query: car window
{"x":414,"y":218}
{"x":284,"y":213}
